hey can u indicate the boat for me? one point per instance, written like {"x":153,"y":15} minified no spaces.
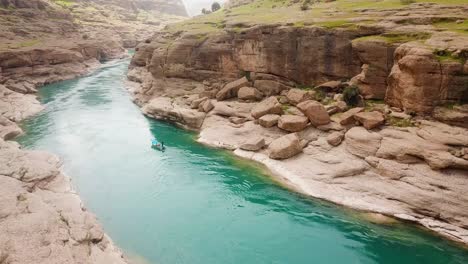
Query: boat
{"x":157,"y":145}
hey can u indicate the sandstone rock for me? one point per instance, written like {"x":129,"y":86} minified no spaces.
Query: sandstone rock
{"x":361,"y":142}
{"x":331,"y":126}
{"x":163,"y":108}
{"x":419,"y":81}
{"x":8,"y":129}
{"x":237,"y":120}
{"x":268,"y":120}
{"x":377,"y":58}
{"x":315,"y":111}
{"x":196,"y":103}
{"x":292,"y":123}
{"x":457,"y":116}
{"x":347,"y":118}
{"x":341,"y":105}
{"x":442,"y":133}
{"x":285,"y":147}
{"x":296,"y":96}
{"x":230,"y":90}
{"x":209,"y":93}
{"x":269,"y":105}
{"x":331,"y":86}
{"x":335,"y":138}
{"x":370,"y":120}
{"x":409,"y":148}
{"x":270,"y":87}
{"x":253,"y":144}
{"x":206,"y":106}
{"x":249,"y":93}
{"x":223,"y":109}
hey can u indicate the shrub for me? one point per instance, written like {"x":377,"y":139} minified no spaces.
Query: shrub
{"x":215,"y":7}
{"x":351,"y":95}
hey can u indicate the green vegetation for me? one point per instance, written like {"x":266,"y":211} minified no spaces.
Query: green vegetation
{"x":447,"y":56}
{"x":397,"y":37}
{"x":398,"y":122}
{"x":407,"y":2}
{"x":351,"y":95}
{"x":454,"y":26}
{"x":285,"y":107}
{"x":64,"y":3}
{"x":373,"y":104}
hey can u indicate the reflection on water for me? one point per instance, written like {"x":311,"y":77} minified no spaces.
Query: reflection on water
{"x":193,"y":204}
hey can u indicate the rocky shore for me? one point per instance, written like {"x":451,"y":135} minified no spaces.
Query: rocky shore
{"x":42,"y":219}
{"x":352,"y":114}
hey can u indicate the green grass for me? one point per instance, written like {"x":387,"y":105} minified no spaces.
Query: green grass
{"x":64,"y":3}
{"x":372,"y":104}
{"x":398,"y":122}
{"x":453,"y":26}
{"x":448,"y":56}
{"x":397,"y":37}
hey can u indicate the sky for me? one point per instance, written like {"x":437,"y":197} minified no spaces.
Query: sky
{"x":194,"y":7}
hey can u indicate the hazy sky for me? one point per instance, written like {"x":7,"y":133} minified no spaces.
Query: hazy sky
{"x":194,"y":7}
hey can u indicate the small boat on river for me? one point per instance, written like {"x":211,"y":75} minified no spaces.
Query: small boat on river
{"x":158,"y":145}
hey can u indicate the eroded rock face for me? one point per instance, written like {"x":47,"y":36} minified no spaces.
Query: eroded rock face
{"x":280,"y":51}
{"x":41,"y":219}
{"x":419,"y":81}
{"x":285,"y":147}
{"x":377,"y":58}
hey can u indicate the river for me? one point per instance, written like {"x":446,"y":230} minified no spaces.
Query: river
{"x":194,"y":204}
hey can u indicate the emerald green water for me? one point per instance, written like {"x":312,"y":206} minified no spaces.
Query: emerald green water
{"x":193,"y":204}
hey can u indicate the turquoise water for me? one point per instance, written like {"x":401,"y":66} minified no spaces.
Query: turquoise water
{"x":193,"y":204}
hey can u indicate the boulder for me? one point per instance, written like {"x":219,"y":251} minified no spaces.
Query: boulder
{"x":253,"y":144}
{"x":270,"y":87}
{"x":442,"y":133}
{"x":268,"y":120}
{"x":285,"y":147}
{"x":237,"y":120}
{"x":206,"y":106}
{"x":331,"y":86}
{"x":230,"y":90}
{"x":196,"y":103}
{"x":335,"y":138}
{"x":361,"y":142}
{"x":249,"y":93}
{"x":292,"y":123}
{"x":223,"y":109}
{"x":268,"y":106}
{"x":296,"y":96}
{"x":315,"y":111}
{"x":347,"y":118}
{"x":370,"y":120}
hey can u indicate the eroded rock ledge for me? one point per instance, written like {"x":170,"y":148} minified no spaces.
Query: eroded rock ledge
{"x":42,"y":220}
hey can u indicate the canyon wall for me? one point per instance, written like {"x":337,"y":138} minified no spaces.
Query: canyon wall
{"x":408,"y":76}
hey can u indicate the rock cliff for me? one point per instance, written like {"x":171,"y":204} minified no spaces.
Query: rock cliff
{"x":344,"y":101}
